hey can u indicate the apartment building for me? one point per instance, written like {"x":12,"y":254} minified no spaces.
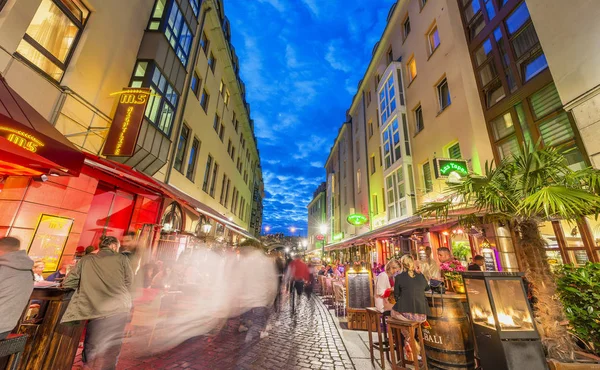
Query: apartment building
{"x":317,"y":218}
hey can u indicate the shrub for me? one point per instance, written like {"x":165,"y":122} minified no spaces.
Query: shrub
{"x":579,"y":290}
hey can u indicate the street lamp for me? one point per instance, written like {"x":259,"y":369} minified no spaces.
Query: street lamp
{"x":267,"y":229}
{"x":293,"y":230}
{"x":323,"y":229}
{"x":304,"y":243}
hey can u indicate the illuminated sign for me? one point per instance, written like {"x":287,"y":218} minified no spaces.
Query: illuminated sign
{"x":21,"y":138}
{"x":124,"y":131}
{"x":319,"y":237}
{"x":338,"y":236}
{"x":357,"y":219}
{"x":444,"y":167}
{"x":49,"y":240}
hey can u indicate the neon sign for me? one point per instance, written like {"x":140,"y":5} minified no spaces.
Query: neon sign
{"x":357,"y":219}
{"x":444,"y":167}
{"x":22,"y":139}
{"x":338,"y":236}
{"x":124,"y":131}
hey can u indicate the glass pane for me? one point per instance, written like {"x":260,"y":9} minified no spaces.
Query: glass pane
{"x":556,"y":130}
{"x":494,"y":93}
{"x":545,"y":101}
{"x":574,"y":157}
{"x":489,"y":7}
{"x":483,"y":52}
{"x":578,"y":258}
{"x":525,"y":41}
{"x":524,"y":126}
{"x":517,"y":18}
{"x":472,"y":8}
{"x":476,"y":26}
{"x":508,"y":148}
{"x":502,"y":126}
{"x":487,"y":73}
{"x":479,"y":303}
{"x":512,"y":308}
{"x":39,"y":60}
{"x":140,"y":69}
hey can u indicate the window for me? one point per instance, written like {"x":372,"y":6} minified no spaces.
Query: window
{"x":215,"y":172}
{"x":443,"y":94}
{"x":222,"y":132}
{"x":157,"y":14}
{"x":52,"y":36}
{"x":207,"y":171}
{"x":489,"y":8}
{"x":406,"y":27}
{"x":234,"y":199}
{"x":226,"y":98}
{"x":372,"y":163}
{"x":232,"y":152}
{"x":390,"y":55}
{"x":390,"y":197}
{"x":358,"y":180}
{"x":405,"y":133}
{"x":216,"y":123}
{"x":369,"y":98}
{"x":371,"y":131}
{"x":391,"y":144}
{"x":427,"y":183}
{"x":473,"y":17}
{"x":419,"y":123}
{"x":387,"y":99}
{"x":181,"y":148}
{"x":178,"y":33}
{"x":195,"y":85}
{"x":162,"y":104}
{"x":229,"y":147}
{"x":236,"y":125}
{"x":422,"y":2}
{"x":204,"y":43}
{"x":454,"y":151}
{"x":191,"y":169}
{"x":212,"y":61}
{"x":204,"y":100}
{"x":411,"y":66}
{"x":226,"y":201}
{"x":223,"y":189}
{"x":534,"y":67}
{"x":375,"y":205}
{"x":195,"y":4}
{"x":434,"y":39}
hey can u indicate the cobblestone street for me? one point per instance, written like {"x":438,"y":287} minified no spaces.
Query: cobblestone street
{"x":309,"y":340}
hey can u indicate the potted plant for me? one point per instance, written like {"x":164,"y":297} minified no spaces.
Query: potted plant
{"x":451,"y":271}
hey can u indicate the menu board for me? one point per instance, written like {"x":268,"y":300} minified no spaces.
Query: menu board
{"x":359,"y":289}
{"x":490,"y":260}
{"x":49,"y":240}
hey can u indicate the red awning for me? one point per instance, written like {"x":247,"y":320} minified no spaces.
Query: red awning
{"x":29,"y":143}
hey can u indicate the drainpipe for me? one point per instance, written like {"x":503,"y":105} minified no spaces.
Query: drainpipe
{"x":186,"y":91}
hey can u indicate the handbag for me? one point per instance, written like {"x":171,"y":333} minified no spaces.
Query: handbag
{"x":437,"y":286}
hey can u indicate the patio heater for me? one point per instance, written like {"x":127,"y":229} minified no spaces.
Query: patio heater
{"x":502,"y":322}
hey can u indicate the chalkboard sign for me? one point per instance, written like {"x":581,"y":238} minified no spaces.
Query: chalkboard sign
{"x":359,"y":289}
{"x":490,"y":260}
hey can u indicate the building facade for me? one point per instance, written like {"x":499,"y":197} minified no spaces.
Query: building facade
{"x":317,"y":218}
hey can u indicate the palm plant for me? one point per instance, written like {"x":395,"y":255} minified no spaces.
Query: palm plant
{"x":533,"y":186}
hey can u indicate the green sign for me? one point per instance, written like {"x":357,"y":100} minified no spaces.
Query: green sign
{"x":357,"y":219}
{"x":444,"y":167}
{"x":338,"y":236}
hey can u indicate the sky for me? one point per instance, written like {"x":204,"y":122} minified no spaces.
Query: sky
{"x":301,"y":61}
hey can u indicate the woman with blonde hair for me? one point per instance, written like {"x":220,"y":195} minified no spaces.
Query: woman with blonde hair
{"x":38,"y":269}
{"x":383,"y":288}
{"x":409,"y":291}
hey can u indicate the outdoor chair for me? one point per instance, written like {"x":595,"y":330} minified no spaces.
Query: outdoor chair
{"x":397,"y":341}
{"x":13,"y":346}
{"x":339,"y":300}
{"x":377,"y":320}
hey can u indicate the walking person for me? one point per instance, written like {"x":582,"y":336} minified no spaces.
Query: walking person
{"x":300,"y":275}
{"x":411,"y":305}
{"x":101,"y":282}
{"x":16,"y":283}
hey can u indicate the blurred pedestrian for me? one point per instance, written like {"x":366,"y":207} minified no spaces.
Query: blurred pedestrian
{"x":477,"y":264}
{"x":299,"y":274}
{"x":102,"y":297}
{"x":16,"y":283}
{"x":38,"y":269}
{"x":409,"y":291}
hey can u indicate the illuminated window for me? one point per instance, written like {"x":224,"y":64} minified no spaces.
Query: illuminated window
{"x":358,"y":179}
{"x":391,"y":144}
{"x":52,"y":35}
{"x":412,"y":69}
{"x":162,"y":104}
{"x":434,"y":39}
{"x":157,"y":14}
{"x":181,"y":148}
{"x":178,"y":33}
{"x":191,"y":168}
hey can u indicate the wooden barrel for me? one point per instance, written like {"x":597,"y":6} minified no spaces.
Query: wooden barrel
{"x":448,"y":337}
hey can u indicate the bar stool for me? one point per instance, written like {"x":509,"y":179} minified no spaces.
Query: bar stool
{"x":377,"y":319}
{"x":13,"y":346}
{"x":395,"y":335}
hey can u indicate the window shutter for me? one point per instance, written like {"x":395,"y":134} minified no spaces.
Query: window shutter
{"x":427,"y":178}
{"x":454,"y":151}
{"x":545,"y":101}
{"x":556,"y":130}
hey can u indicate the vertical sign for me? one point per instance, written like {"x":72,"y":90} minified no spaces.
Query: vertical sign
{"x":49,"y":240}
{"x":123,"y":134}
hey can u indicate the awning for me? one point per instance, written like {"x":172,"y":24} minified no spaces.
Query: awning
{"x":29,"y":144}
{"x":148,"y":184}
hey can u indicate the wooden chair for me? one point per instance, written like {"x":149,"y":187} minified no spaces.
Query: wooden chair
{"x":376,"y":319}
{"x":339,"y":300}
{"x":328,"y":291}
{"x":397,"y":342}
{"x":13,"y":346}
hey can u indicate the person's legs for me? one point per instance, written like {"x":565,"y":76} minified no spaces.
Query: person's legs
{"x":103,"y":341}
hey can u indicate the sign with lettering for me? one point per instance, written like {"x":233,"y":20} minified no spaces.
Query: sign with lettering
{"x":490,"y":259}
{"x":357,"y":219}
{"x":124,"y":131}
{"x":21,"y":138}
{"x":337,"y":237}
{"x":445,"y":166}
{"x":49,"y":240}
{"x":319,"y":237}
{"x":359,"y":289}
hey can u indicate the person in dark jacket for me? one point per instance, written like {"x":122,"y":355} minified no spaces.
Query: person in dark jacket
{"x":16,"y":283}
{"x":409,"y":291}
{"x":478,"y":262}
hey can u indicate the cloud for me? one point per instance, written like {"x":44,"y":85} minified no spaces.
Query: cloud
{"x":290,"y":57}
{"x":317,"y":164}
{"x":312,"y":6}
{"x":334,"y":57}
{"x":275,"y":4}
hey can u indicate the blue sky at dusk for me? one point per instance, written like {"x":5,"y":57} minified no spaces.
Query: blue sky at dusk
{"x":301,"y":61}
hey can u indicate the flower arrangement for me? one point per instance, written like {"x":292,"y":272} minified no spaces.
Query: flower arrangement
{"x":452,"y":269}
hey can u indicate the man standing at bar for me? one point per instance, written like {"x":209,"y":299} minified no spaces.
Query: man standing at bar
{"x":102,"y":297}
{"x":16,"y":283}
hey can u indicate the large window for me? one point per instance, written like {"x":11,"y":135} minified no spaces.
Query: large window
{"x":52,"y":35}
{"x":207,"y":172}
{"x":392,"y":150}
{"x":443,"y":94}
{"x":395,"y":187}
{"x":178,"y":33}
{"x":213,"y":181}
{"x":181,"y":148}
{"x":157,"y":15}
{"x":162,"y":104}
{"x":387,"y":99}
{"x":193,"y":159}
